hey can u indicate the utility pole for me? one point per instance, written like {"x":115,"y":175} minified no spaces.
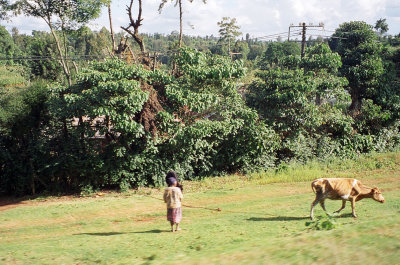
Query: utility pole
{"x":303,"y":40}
{"x":303,"y":34}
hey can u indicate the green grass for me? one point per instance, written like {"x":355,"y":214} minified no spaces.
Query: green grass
{"x":262,"y":221}
{"x":11,"y":76}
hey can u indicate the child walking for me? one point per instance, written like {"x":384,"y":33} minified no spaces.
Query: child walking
{"x":172,"y":197}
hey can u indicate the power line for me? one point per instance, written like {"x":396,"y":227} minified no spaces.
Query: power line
{"x":303,"y":33}
{"x":276,"y":34}
{"x":43,"y":58}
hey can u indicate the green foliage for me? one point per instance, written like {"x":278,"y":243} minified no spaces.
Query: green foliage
{"x":231,"y":138}
{"x":388,"y":138}
{"x":202,"y":128}
{"x":4,"y":8}
{"x":228,"y":29}
{"x":67,"y":12}
{"x":362,"y":64}
{"x":7,"y":46}
{"x":106,"y":99}
{"x":371,"y":118}
{"x":381,"y":26}
{"x":242,"y":48}
{"x":387,"y":95}
{"x":41,"y":44}
{"x":277,"y":51}
{"x":255,"y":51}
{"x":107,"y":89}
{"x":131,"y":125}
{"x":301,"y":99}
{"x":23,"y":152}
{"x":285,"y":96}
{"x":62,"y":15}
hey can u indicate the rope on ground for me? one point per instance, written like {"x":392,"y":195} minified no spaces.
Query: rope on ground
{"x":212,"y":209}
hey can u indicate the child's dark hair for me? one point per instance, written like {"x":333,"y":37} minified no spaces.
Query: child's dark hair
{"x":171,"y":174}
{"x":171,"y":178}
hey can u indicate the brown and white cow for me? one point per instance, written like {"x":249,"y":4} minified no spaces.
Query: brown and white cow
{"x":345,"y":189}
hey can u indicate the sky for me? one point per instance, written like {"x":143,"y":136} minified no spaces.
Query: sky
{"x":259,"y":18}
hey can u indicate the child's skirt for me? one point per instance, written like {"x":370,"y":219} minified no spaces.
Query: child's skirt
{"x":174,"y":215}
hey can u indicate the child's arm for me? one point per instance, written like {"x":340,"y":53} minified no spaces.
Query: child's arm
{"x":165,"y":196}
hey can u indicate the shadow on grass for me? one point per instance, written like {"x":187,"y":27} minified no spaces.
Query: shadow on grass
{"x":101,"y":234}
{"x":278,"y":218}
{"x":345,"y":215}
{"x":293,"y":218}
{"x":155,"y":231}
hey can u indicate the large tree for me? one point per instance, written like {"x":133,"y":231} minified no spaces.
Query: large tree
{"x":362,"y":64}
{"x":7,"y":46}
{"x":60,"y":16}
{"x":301,"y":98}
{"x":178,"y":3}
{"x":228,"y":31}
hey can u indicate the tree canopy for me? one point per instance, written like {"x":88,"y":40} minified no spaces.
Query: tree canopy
{"x":381,"y":26}
{"x":62,"y":15}
{"x":228,"y":30}
{"x":122,"y":123}
{"x":362,"y":64}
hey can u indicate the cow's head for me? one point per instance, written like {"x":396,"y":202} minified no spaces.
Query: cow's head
{"x":377,"y":195}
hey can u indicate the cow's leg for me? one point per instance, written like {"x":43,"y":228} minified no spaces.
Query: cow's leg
{"x":341,"y":208}
{"x":315,"y":202}
{"x":322,"y":203}
{"x":353,"y":207}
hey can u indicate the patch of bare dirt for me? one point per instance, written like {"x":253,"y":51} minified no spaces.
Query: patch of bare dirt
{"x":7,"y":203}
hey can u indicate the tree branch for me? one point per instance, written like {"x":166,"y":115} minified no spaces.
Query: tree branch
{"x":135,"y":24}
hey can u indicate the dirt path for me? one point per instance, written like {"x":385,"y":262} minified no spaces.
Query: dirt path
{"x":7,"y":203}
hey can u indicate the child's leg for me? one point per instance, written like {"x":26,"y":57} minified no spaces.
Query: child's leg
{"x":177,"y":227}
{"x":172,"y":226}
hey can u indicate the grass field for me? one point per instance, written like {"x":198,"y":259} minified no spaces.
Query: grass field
{"x":262,"y":221}
{"x":11,"y":76}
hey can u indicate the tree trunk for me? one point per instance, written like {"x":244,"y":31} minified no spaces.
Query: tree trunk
{"x":139,"y":39}
{"x":135,"y":24}
{"x":229,"y":48}
{"x":181,"y":26}
{"x":63,"y":61}
{"x":356,"y":102}
{"x":111,"y":28}
{"x":33,"y":187}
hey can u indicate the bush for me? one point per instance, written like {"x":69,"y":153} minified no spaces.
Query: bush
{"x":196,"y":123}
